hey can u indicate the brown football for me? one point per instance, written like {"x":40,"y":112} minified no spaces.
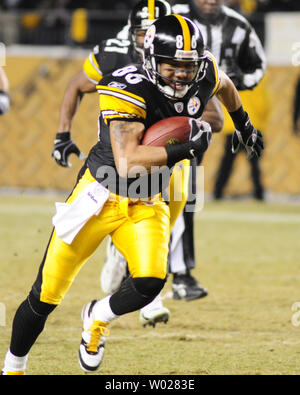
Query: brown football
{"x":171,"y":130}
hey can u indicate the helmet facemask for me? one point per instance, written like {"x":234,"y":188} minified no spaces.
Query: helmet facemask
{"x":172,"y":88}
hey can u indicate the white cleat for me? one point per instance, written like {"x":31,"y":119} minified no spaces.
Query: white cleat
{"x":153,"y":313}
{"x":91,"y":349}
{"x":17,"y":373}
{"x":151,"y":318}
{"x":114,"y":270}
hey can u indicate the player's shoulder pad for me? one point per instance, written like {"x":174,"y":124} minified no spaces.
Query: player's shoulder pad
{"x":123,"y":94}
{"x":212,"y":66}
{"x":212,"y":71}
{"x":126,"y":74}
{"x":111,"y":54}
{"x":117,"y":45}
{"x":129,"y":79}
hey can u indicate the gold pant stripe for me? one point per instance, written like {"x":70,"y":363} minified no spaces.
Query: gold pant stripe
{"x":178,"y":192}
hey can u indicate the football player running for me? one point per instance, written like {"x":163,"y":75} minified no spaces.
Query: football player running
{"x":133,"y":98}
{"x":106,"y":57}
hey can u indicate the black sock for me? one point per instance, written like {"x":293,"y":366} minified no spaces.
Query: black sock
{"x":135,"y":293}
{"x":27,"y":326}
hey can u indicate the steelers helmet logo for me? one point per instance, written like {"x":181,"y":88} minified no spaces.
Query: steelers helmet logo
{"x":149,"y":37}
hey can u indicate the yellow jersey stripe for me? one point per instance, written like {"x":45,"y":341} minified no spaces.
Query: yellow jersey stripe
{"x":111,"y":90}
{"x":216,"y":72}
{"x":215,"y":88}
{"x":118,"y":116}
{"x":92,"y":71}
{"x":113,"y":107}
{"x":186,"y":33}
{"x":151,"y":8}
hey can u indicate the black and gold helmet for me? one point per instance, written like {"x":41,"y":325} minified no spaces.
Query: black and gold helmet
{"x":143,"y":15}
{"x":175,"y":38}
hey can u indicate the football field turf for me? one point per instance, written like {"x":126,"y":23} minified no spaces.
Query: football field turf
{"x":248,"y":256}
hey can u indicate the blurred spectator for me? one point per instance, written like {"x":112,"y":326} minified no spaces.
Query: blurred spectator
{"x":234,"y":4}
{"x":278,"y":5}
{"x":248,"y":7}
{"x":9,"y":4}
{"x":67,"y":4}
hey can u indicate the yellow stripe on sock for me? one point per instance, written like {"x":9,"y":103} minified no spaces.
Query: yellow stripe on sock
{"x":19,"y":373}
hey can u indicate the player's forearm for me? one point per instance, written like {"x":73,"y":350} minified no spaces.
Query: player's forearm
{"x":149,"y":158}
{"x":213,"y":114}
{"x":130,"y":156}
{"x":68,"y":108}
{"x":230,"y":97}
{"x":143,"y":160}
{"x":228,"y":94}
{"x":78,"y":86}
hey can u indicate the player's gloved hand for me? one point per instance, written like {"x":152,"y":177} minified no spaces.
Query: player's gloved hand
{"x":199,"y":141}
{"x":63,"y":148}
{"x":248,"y":137}
{"x":200,"y":137}
{"x":4,"y":102}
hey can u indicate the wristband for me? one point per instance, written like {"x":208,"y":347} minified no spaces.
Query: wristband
{"x":64,"y":136}
{"x":239,"y":118}
{"x":178,"y":152}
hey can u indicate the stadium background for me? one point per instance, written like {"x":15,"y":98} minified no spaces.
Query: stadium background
{"x":46,"y":44}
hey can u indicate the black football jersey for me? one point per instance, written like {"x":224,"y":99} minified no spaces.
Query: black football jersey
{"x":108,"y":56}
{"x":128,"y":95}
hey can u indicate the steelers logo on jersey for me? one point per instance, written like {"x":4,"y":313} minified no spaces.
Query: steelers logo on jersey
{"x":194,"y":105}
